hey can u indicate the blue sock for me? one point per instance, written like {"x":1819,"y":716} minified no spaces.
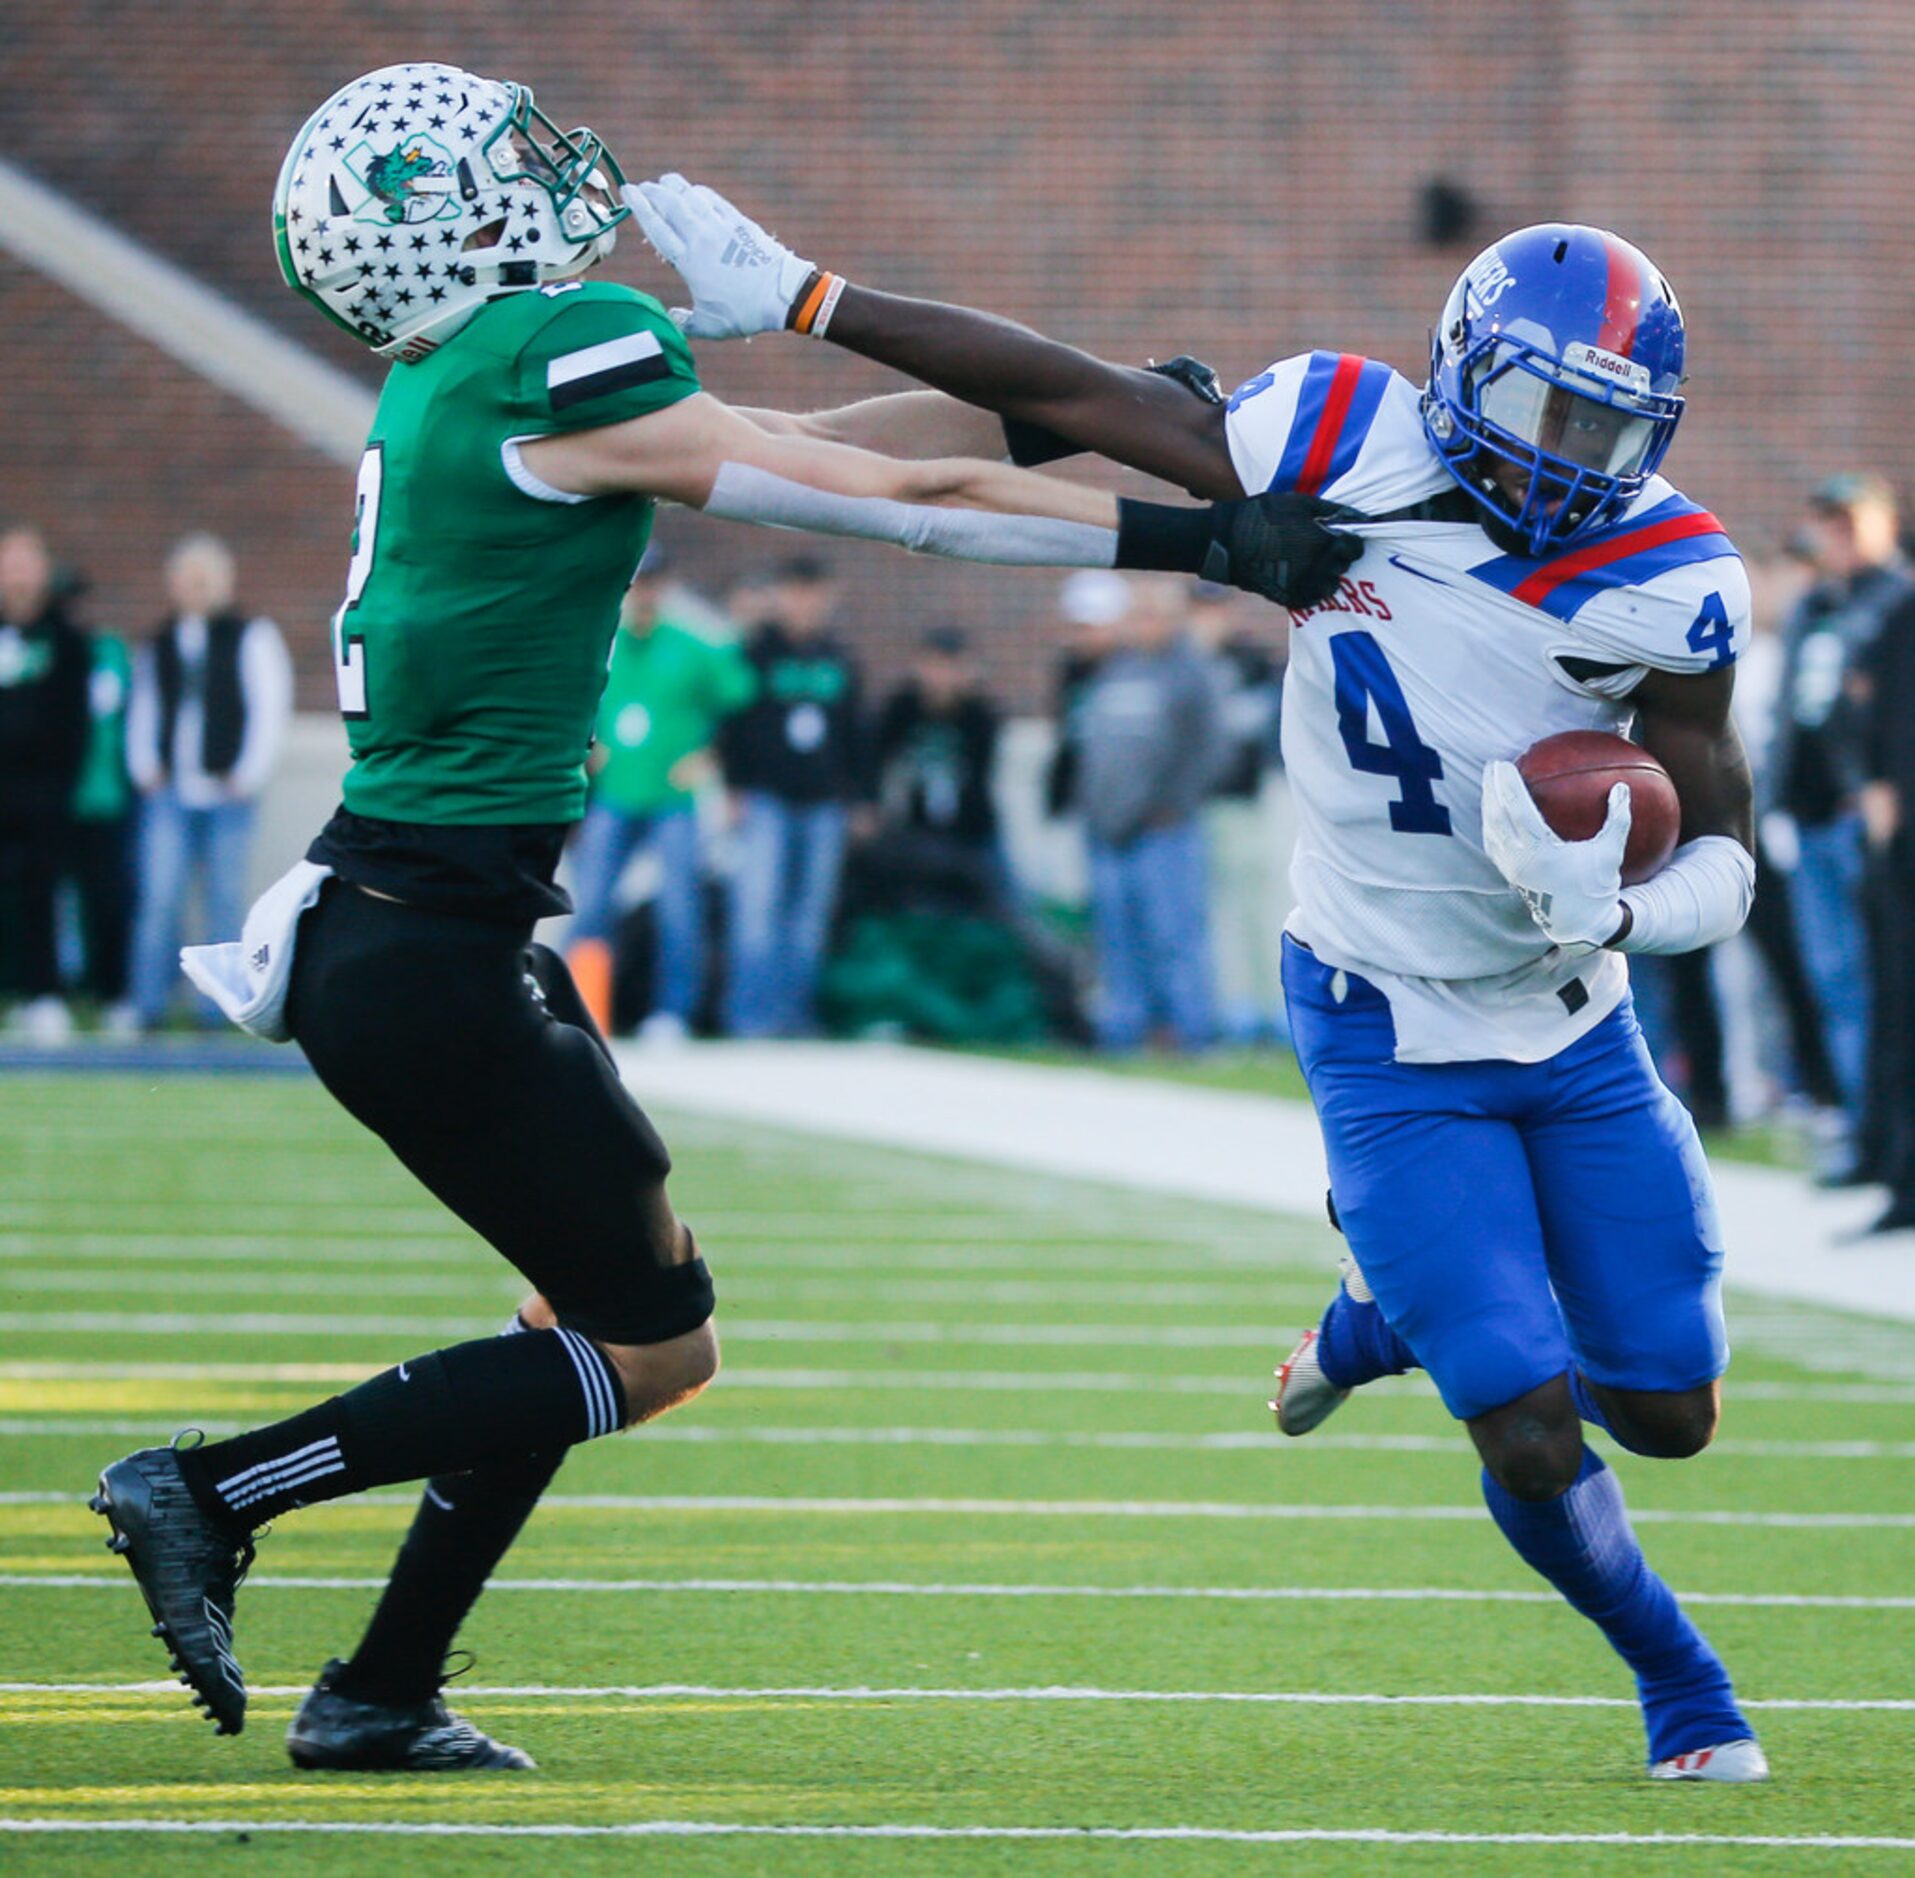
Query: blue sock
{"x":1586,"y":1404}
{"x":1355,"y":1343}
{"x":1583,"y":1544}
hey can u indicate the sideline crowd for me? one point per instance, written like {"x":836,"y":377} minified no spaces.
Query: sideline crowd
{"x":770,"y":852}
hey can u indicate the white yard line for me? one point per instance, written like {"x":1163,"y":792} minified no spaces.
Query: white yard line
{"x":1208,"y":1144}
{"x":935,"y":1381}
{"x":1199,"y":1835}
{"x":1272,"y":1336}
{"x":1056,"y":1692}
{"x":1226,"y":1291}
{"x":914,"y":1505}
{"x":1251,"y":1441}
{"x":826,"y":1588}
{"x":1886,"y":1348}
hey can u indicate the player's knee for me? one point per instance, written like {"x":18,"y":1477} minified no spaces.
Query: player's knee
{"x":1533,"y":1448}
{"x":657,"y":1377}
{"x":1664,"y":1427}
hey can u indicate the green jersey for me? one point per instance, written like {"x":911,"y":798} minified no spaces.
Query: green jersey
{"x":103,"y":792}
{"x":480,"y":603}
{"x":666,"y":694}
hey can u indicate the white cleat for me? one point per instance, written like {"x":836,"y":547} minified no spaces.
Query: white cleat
{"x":1739,"y":1761}
{"x":1305,"y":1396}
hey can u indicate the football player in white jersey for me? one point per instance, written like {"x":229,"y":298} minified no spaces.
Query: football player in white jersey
{"x":1528,"y":1207}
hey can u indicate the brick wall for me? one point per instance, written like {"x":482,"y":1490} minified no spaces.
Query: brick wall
{"x":1237,"y":180}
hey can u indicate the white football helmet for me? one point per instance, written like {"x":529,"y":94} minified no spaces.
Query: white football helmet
{"x":417,"y":193}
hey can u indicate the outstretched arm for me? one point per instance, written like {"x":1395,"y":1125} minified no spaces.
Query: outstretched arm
{"x":905,"y":423}
{"x":743,"y":281}
{"x":1130,"y":415}
{"x":679,"y":452}
{"x":700,"y":452}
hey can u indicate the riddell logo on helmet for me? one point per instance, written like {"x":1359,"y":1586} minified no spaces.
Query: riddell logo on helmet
{"x":1600,"y":364}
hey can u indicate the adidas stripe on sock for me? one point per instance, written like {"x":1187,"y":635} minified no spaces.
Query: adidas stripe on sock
{"x":312,"y":1462}
{"x":443,"y":1413}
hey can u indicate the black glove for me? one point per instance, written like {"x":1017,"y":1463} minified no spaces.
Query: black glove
{"x":1028,"y":445}
{"x":1279,"y":545}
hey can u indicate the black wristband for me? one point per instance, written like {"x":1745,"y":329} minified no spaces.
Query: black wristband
{"x":1028,"y":445}
{"x":799,"y":300}
{"x":1162,"y":536}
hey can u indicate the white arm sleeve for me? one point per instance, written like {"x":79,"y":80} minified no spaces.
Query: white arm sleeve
{"x":741,"y":493}
{"x":1701,"y":897}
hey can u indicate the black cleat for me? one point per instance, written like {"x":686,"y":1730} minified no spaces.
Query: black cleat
{"x":340,"y":1731}
{"x":188,"y":1570}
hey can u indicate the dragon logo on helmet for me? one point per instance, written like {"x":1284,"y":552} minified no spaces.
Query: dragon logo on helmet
{"x":391,"y":179}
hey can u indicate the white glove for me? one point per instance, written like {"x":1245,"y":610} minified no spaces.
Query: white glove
{"x":742,"y":280}
{"x":1573,"y":889}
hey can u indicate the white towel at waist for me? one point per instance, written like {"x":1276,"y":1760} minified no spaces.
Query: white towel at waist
{"x":248,"y":977}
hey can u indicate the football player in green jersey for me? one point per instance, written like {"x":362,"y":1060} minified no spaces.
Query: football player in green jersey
{"x":530,"y":422}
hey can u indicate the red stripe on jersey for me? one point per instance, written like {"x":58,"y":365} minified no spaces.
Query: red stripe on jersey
{"x":1547,"y":578}
{"x":1622,"y":305}
{"x":1316,"y":466}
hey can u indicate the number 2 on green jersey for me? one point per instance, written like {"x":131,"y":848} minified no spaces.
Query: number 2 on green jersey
{"x":348,"y":649}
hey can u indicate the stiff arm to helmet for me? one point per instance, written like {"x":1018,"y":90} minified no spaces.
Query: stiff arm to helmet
{"x":743,"y":281}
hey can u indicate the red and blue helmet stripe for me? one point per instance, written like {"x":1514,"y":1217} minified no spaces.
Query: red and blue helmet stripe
{"x":1585,"y":312}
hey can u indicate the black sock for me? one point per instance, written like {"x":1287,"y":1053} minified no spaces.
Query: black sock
{"x":443,"y":1413}
{"x":463,"y":1527}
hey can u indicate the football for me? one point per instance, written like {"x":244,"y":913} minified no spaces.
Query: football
{"x":1569,"y":777}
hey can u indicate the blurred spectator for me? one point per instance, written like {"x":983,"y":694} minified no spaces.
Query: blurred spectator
{"x":1153,"y":746}
{"x":1769,"y":940}
{"x":795,"y":761}
{"x":666,"y":693}
{"x":1819,"y":760}
{"x":1089,"y":605}
{"x":212,"y":695}
{"x":99,"y":861}
{"x":1240,"y":839}
{"x":937,"y":749}
{"x":44,"y":661}
{"x":1888,"y":807}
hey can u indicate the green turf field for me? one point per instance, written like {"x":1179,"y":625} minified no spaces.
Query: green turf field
{"x":983,"y":1530}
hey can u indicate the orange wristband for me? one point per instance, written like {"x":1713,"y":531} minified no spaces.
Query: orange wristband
{"x":812,"y":313}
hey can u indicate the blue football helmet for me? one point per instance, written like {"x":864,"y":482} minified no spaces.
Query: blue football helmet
{"x":1552,"y":394}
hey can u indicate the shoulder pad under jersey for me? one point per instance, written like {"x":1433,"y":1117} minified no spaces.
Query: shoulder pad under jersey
{"x":1337,"y":425}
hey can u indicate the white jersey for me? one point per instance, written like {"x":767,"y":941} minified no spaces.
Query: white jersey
{"x":1439,"y":654}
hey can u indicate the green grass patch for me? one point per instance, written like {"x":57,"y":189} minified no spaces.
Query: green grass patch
{"x":950,"y":1395}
